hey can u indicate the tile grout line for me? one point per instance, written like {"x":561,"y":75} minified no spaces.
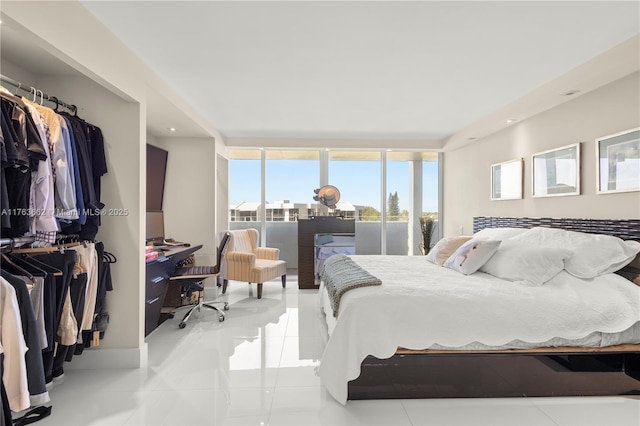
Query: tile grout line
{"x":541,"y":410}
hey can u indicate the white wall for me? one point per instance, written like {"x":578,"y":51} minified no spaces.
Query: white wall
{"x":467,"y":184}
{"x":189,"y":195}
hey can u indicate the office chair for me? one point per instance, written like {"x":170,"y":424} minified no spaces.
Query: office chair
{"x":191,"y":279}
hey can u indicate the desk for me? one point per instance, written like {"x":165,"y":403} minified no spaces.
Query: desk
{"x":158,"y":272}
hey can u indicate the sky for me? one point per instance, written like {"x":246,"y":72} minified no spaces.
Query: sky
{"x":358,"y":181}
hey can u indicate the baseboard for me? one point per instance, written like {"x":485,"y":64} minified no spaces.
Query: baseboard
{"x":109,"y":358}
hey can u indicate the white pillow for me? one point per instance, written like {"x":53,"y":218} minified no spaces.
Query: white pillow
{"x":471,"y":255}
{"x":445,"y":248}
{"x":593,"y":254}
{"x":526,"y":264}
{"x":498,"y":233}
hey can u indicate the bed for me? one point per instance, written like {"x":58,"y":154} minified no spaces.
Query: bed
{"x":432,"y":331}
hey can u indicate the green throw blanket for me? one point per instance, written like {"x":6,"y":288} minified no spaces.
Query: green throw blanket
{"x":341,"y":274}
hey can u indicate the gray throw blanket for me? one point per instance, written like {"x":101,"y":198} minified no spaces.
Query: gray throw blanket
{"x":341,"y":274}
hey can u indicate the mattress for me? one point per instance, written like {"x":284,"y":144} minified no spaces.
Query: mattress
{"x":424,"y":306}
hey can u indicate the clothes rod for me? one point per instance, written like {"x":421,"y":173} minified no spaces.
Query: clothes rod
{"x":16,"y":242}
{"x":36,"y":92}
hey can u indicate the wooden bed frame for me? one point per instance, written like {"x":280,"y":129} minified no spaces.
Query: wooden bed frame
{"x":563,"y":371}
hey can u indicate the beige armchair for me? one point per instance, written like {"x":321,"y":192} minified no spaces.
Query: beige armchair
{"x":245,"y":261}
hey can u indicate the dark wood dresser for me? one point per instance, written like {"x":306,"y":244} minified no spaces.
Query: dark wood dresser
{"x":307,"y":228}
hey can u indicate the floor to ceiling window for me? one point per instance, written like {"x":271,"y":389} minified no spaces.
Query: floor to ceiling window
{"x":290,"y":178}
{"x":412,"y":201}
{"x":358,"y":174}
{"x":392,"y":196}
{"x":245,"y":176}
{"x":430,"y":217}
{"x":399,"y":196}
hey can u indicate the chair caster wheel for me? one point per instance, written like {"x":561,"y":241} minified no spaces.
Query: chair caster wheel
{"x":182,"y":325}
{"x":221,"y":318}
{"x":226,"y":307}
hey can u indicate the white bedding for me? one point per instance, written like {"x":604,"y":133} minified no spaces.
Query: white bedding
{"x":422,"y":305}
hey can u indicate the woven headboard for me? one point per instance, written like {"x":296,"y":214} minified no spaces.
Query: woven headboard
{"x":627,"y":229}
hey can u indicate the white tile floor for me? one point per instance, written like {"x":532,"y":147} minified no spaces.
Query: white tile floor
{"x":258,"y":368}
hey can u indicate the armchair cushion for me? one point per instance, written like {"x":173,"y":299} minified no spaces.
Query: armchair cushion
{"x":267,"y":253}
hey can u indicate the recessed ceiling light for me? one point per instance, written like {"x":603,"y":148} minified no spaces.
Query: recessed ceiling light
{"x":172,"y":129}
{"x":511,"y":120}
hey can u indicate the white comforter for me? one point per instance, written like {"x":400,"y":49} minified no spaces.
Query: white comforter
{"x":420,"y":304}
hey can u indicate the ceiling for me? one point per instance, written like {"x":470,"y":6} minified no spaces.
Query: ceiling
{"x":363,"y":70}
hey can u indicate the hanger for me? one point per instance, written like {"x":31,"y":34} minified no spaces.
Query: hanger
{"x":34,"y":91}
{"x":75,"y":110}
{"x":109,"y":257}
{"x":18,"y":88}
{"x":41,"y":96}
{"x":17,"y":268}
{"x":54,"y":99}
{"x":67,"y":239}
{"x":35,"y":270}
{"x":36,"y":264}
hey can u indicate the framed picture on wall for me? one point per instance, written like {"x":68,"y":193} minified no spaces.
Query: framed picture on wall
{"x":557,"y":172}
{"x":618,"y":158}
{"x":506,"y":180}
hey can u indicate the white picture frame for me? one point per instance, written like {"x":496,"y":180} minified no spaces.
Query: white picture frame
{"x":506,"y":180}
{"x":618,"y":162}
{"x":556,"y":172}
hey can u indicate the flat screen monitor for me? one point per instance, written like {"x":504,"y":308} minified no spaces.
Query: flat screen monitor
{"x":156,"y":173}
{"x":155,"y":227}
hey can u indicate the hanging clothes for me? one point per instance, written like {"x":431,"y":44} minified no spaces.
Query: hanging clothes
{"x":52,"y":303}
{"x":73,"y":227}
{"x":52,"y":164}
{"x":100,"y":314}
{"x":24,"y":150}
{"x":42,"y":293}
{"x":14,"y":348}
{"x":5,"y":410}
{"x":44,"y":225}
{"x":38,"y":394}
{"x":92,"y":205}
{"x":65,"y":328}
{"x":65,"y":197}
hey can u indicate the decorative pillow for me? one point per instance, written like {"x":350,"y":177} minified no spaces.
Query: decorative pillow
{"x":527,"y":264}
{"x":593,"y":254}
{"x":445,"y":248}
{"x":498,"y":233}
{"x":471,"y":255}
